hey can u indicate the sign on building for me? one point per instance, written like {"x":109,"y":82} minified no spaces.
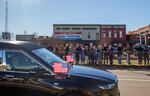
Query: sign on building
{"x":68,"y":35}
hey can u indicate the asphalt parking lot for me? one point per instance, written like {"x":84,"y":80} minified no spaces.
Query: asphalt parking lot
{"x":133,"y":82}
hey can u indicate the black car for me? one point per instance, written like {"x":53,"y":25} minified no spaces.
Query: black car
{"x":28,"y":69}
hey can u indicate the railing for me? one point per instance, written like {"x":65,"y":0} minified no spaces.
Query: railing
{"x":108,"y":57}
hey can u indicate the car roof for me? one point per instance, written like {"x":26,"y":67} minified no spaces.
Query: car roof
{"x":22,"y":45}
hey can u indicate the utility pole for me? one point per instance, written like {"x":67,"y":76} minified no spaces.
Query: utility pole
{"x":25,"y":32}
{"x":6,"y":35}
{"x":6,"y":17}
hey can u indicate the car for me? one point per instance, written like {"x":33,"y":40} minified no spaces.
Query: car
{"x":29,"y":69}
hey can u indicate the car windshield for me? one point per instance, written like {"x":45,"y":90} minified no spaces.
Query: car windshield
{"x":47,"y":56}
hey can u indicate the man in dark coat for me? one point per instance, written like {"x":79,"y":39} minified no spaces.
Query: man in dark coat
{"x":146,"y":55}
{"x":139,"y":50}
{"x":119,"y":54}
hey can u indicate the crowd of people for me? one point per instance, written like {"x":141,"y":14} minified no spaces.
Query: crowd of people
{"x":93,"y":54}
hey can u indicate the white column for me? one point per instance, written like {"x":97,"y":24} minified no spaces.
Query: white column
{"x":145,"y":39}
{"x":140,"y":38}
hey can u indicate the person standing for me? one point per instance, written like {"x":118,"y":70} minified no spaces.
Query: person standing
{"x":72,"y":50}
{"x":61,"y":52}
{"x":100,"y":56}
{"x":119,"y":54}
{"x":82,"y":54}
{"x":96,"y":54}
{"x":128,"y":53}
{"x":91,"y":56}
{"x":67,"y":49}
{"x":86,"y":54}
{"x":77,"y":53}
{"x":105,"y":52}
{"x":146,"y":55}
{"x":139,"y":50}
{"x":56,"y":50}
{"x":110,"y":54}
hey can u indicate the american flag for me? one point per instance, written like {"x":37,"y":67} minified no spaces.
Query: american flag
{"x":70,"y":58}
{"x":60,"y":67}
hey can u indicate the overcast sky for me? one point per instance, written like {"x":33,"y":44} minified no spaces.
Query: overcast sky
{"x":40,"y":15}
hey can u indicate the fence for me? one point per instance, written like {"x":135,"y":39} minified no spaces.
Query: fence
{"x":108,"y":57}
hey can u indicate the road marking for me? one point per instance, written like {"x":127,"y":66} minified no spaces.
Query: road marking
{"x":141,"y":80}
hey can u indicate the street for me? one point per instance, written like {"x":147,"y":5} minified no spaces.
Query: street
{"x":133,"y":82}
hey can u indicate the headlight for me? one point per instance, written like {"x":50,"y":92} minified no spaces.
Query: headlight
{"x":109,"y":86}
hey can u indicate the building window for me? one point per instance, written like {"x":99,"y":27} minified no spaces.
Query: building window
{"x":120,"y":33}
{"x":89,"y":28}
{"x":104,"y":35}
{"x":122,"y":27}
{"x":116,"y":27}
{"x":97,"y":36}
{"x":76,"y":28}
{"x":109,"y":34}
{"x":89,"y":35}
{"x":58,"y":28}
{"x":66,"y":28}
{"x":115,"y":34}
{"x":106,"y":27}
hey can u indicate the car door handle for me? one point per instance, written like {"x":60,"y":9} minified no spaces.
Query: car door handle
{"x":9,"y":76}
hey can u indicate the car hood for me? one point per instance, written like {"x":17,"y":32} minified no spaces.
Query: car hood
{"x":93,"y":73}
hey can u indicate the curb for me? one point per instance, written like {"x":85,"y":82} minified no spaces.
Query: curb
{"x":135,"y":67}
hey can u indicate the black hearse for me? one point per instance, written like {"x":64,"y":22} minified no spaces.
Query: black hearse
{"x":28,"y":69}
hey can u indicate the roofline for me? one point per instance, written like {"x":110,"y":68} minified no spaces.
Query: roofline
{"x":136,"y":30}
{"x":24,"y":34}
{"x":21,"y":45}
{"x":89,"y":24}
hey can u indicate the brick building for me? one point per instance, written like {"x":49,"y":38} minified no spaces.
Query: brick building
{"x":143,"y":33}
{"x":113,"y":34}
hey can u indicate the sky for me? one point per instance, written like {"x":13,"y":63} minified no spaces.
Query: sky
{"x":38,"y":16}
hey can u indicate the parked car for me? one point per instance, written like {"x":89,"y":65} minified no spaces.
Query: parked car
{"x":28,"y":69}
